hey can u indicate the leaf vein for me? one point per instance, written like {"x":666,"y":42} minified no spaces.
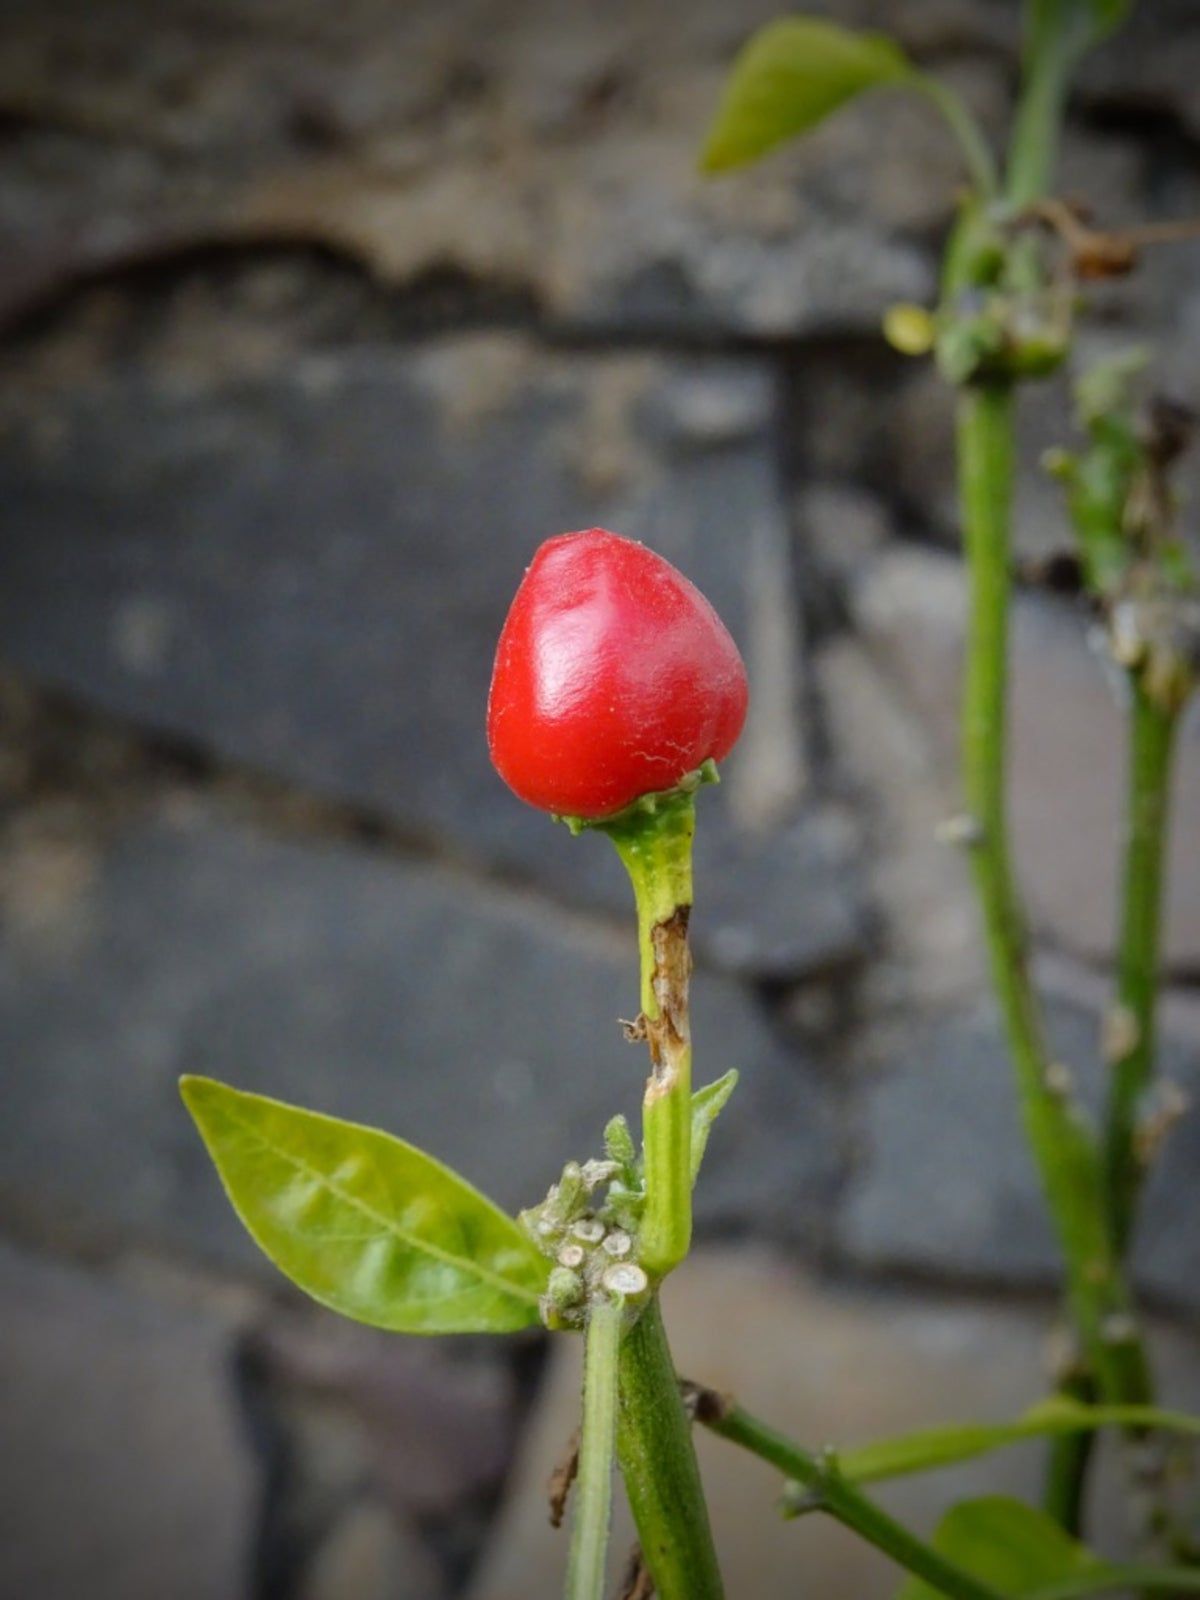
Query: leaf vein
{"x":384,"y":1224}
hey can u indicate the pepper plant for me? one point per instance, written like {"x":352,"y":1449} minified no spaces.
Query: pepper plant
{"x":615,"y":693}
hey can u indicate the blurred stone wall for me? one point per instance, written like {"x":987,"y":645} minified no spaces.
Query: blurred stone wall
{"x":315,"y":321}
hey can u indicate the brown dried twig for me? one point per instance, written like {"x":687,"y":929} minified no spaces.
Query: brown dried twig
{"x":1098,"y":253}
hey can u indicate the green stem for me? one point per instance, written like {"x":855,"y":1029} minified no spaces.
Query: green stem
{"x":1068,"y":1460}
{"x":658,"y":1462}
{"x":1033,"y":149}
{"x":832,"y":1494}
{"x":597,"y":1441}
{"x":1152,"y":731}
{"x":656,"y":847}
{"x":841,"y":1500}
{"x":1063,"y":1147}
{"x":1174,"y":1580}
{"x":976,"y":155}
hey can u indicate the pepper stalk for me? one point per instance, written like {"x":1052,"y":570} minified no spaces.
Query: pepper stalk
{"x":654,"y":840}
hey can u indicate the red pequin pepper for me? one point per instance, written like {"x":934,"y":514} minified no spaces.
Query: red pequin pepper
{"x":614,"y":678}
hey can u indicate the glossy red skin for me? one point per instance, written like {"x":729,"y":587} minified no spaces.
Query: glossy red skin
{"x":614,"y":678}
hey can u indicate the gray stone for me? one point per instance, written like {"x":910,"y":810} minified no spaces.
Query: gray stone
{"x":373,"y":1441}
{"x":308,"y":572}
{"x":425,"y":1422}
{"x":1152,"y":66}
{"x":946,"y":1184}
{"x":366,"y":1556}
{"x":844,"y":526}
{"x":125,"y":1475}
{"x":515,"y":145}
{"x":482,"y":1027}
{"x":922,"y":888}
{"x":1068,"y":734}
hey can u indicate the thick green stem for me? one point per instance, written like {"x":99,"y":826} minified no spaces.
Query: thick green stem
{"x":1033,"y":150}
{"x":1152,"y":733}
{"x":658,"y":1462}
{"x":831,"y":1493}
{"x":656,"y":847}
{"x":1063,"y":1147}
{"x":1171,"y":1580}
{"x":1068,"y":1460}
{"x":597,"y":1442}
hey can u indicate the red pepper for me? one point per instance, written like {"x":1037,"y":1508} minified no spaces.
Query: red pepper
{"x":614,"y":678}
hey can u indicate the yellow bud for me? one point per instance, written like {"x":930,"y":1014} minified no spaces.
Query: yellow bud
{"x":909,"y":329}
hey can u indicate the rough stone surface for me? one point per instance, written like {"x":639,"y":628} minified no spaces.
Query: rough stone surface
{"x":1067,"y":747}
{"x":945,"y":1181}
{"x":367,"y":1557}
{"x":828,"y":1366}
{"x":842,"y":527}
{"x":308,"y":573}
{"x":375,"y":1444}
{"x":429,"y":1420}
{"x":485,"y":141}
{"x":1158,"y":49}
{"x":932,"y":953}
{"x":365,"y":987}
{"x":125,"y":1473}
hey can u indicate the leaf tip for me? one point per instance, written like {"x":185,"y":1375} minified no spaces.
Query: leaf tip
{"x":197,"y":1092}
{"x":715,"y":157}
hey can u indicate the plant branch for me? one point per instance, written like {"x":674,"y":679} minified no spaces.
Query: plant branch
{"x":1068,"y":1460}
{"x":1055,"y":37}
{"x":1063,"y":1146}
{"x":658,"y":1462}
{"x":656,"y":847}
{"x":1151,"y":743}
{"x":1033,"y":152}
{"x":834,"y":1495}
{"x":974,"y":147}
{"x":1172,"y":1580}
{"x":597,"y":1442}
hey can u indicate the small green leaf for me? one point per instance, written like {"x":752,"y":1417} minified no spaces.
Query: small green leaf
{"x":930,"y":1448}
{"x":707,"y":1105}
{"x":789,"y":77}
{"x":1007,"y":1545}
{"x":365,"y":1223}
{"x":618,"y":1143}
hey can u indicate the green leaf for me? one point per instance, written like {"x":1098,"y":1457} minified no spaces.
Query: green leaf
{"x":707,"y":1105}
{"x":931,"y":1448}
{"x":1007,"y":1545}
{"x":365,"y":1223}
{"x":789,"y":77}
